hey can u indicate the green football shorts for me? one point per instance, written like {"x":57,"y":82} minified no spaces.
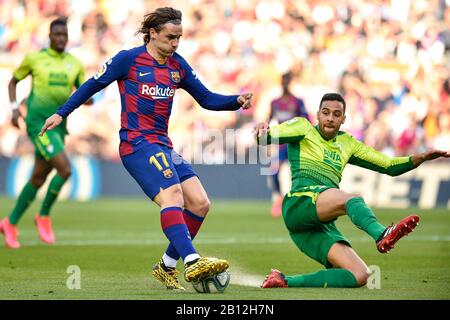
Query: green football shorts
{"x":312,"y":237}
{"x":49,"y":145}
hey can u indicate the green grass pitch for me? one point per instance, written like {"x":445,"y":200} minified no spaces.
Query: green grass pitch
{"x":115,"y":242}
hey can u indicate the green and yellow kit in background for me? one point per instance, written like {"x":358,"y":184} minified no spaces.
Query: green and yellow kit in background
{"x":54,"y":76}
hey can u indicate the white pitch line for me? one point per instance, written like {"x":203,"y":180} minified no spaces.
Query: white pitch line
{"x":216,"y":241}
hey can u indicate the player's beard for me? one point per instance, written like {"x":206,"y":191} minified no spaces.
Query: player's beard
{"x":328,"y":132}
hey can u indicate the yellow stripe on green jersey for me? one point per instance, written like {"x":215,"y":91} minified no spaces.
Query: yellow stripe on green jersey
{"x":316,"y":161}
{"x":54,"y":76}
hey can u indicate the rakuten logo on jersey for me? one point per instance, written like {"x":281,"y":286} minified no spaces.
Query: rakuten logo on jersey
{"x":157,"y":92}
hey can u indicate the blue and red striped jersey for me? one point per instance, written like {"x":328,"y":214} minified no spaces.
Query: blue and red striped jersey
{"x":147,"y":89}
{"x":288,"y":107}
{"x":284,"y":109}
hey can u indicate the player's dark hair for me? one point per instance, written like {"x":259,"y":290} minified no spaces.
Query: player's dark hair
{"x":61,"y":21}
{"x":332,"y":97}
{"x":157,"y":19}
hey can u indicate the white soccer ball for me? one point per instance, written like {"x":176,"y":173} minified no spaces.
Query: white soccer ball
{"x":215,"y":284}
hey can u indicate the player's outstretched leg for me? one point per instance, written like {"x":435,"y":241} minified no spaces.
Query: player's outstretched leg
{"x":395,"y":232}
{"x":329,"y":278}
{"x":196,"y":267}
{"x":165,"y":270}
{"x":203,"y":268}
{"x":167,"y":276}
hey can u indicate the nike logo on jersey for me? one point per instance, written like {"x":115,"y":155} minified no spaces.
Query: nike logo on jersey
{"x":141,"y":74}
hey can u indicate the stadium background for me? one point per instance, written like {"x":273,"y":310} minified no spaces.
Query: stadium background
{"x":390,"y":60}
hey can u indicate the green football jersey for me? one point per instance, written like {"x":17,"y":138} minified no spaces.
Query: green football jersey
{"x":54,"y":76}
{"x":315,"y":161}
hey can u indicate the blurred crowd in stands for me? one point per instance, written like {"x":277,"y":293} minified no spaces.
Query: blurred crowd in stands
{"x":389,"y":58}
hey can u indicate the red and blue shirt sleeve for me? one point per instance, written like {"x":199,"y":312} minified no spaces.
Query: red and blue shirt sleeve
{"x":207,"y":99}
{"x":114,"y":69}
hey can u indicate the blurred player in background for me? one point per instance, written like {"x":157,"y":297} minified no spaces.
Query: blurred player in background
{"x":55,"y":73}
{"x":282,"y":109}
{"x":147,"y":78}
{"x":318,"y":155}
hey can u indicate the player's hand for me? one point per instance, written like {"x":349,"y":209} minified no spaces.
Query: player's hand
{"x":245,"y":100}
{"x":261,"y":129}
{"x":15,"y":118}
{"x":51,"y":123}
{"x":434,"y":154}
{"x":429,"y":155}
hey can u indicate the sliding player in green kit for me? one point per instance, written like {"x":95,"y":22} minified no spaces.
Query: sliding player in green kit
{"x":54,"y":73}
{"x":317,"y":156}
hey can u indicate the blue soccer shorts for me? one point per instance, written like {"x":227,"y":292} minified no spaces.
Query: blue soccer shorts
{"x":156,"y":167}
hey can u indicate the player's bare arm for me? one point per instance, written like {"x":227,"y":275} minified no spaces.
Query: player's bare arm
{"x":14,"y":105}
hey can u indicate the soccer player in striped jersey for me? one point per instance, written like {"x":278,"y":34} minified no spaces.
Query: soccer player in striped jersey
{"x":147,"y":78}
{"x":283,"y":108}
{"x":54,"y":73}
{"x":318,"y":155}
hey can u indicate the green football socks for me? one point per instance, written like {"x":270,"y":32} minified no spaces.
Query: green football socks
{"x":52,"y":193}
{"x":329,"y":278}
{"x":363,"y":217}
{"x":25,"y":198}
